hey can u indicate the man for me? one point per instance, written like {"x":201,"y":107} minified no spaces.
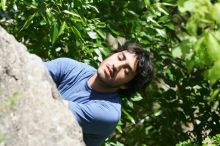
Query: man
{"x":92,"y":95}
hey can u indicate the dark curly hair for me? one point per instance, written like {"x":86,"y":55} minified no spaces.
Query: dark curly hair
{"x":144,"y":72}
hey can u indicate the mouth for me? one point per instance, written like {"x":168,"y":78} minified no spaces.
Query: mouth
{"x":110,"y":70}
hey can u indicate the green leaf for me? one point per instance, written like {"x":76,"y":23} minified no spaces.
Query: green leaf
{"x":3,"y":4}
{"x":213,"y":47}
{"x":62,"y":28}
{"x":162,"y":10}
{"x":105,"y":51}
{"x":214,"y":94}
{"x":198,"y":46}
{"x":76,"y":32}
{"x":92,"y":34}
{"x":55,"y":33}
{"x":213,"y":74}
{"x":90,"y":6}
{"x":130,"y":104}
{"x":28,"y":22}
{"x":101,"y":34}
{"x":119,"y":129}
{"x":184,"y":5}
{"x":71,"y":13}
{"x":147,"y":3}
{"x":217,"y":35}
{"x":129,"y":116}
{"x":202,"y":57}
{"x":147,"y":129}
{"x":161,"y":32}
{"x":215,"y":12}
{"x":157,"y":112}
{"x":177,"y":52}
{"x":192,"y":25}
{"x":132,"y":12}
{"x":190,"y":64}
{"x":137,"y":97}
{"x":114,"y":31}
{"x":186,"y":45}
{"x":98,"y":55}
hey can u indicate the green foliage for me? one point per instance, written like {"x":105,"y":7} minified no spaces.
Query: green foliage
{"x":203,"y":33}
{"x":186,"y":143}
{"x":213,"y":141}
{"x":183,"y":37}
{"x":56,"y":28}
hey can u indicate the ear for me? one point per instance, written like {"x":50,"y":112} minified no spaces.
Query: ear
{"x":123,"y":86}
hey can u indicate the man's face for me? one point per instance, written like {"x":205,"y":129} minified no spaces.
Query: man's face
{"x":118,"y":69}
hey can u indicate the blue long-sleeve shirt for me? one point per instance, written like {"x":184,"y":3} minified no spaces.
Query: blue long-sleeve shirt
{"x":97,"y":113}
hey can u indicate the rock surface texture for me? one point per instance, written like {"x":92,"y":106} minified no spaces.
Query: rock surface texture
{"x":30,"y":113}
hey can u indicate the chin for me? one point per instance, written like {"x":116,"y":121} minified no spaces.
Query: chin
{"x":101,"y":76}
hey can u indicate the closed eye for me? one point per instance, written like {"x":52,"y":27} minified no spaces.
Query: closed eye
{"x":121,"y":57}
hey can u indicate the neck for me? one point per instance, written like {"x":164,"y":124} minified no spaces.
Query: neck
{"x":99,"y":86}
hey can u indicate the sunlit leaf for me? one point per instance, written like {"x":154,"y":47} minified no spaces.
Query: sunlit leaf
{"x":101,"y":33}
{"x":132,"y":12}
{"x":213,"y":74}
{"x":130,"y":104}
{"x":71,"y":13}
{"x":157,"y":113}
{"x":92,"y":34}
{"x":161,"y":32}
{"x":215,"y":12}
{"x":129,"y":116}
{"x":213,"y":47}
{"x":119,"y":129}
{"x":176,"y":52}
{"x":186,"y":5}
{"x":147,"y":3}
{"x":162,"y":10}
{"x":214,"y":95}
{"x":90,"y":6}
{"x":137,"y":97}
{"x":3,"y":4}
{"x":200,"y":49}
{"x":198,"y":46}
{"x":98,"y":55}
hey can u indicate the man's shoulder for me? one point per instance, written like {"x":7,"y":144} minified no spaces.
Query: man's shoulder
{"x":74,"y":63}
{"x":69,"y":60}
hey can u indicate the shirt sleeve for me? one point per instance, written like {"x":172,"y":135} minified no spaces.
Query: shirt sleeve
{"x":98,"y":120}
{"x":58,"y":68}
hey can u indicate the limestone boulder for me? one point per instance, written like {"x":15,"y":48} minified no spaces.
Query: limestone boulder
{"x":31,"y":113}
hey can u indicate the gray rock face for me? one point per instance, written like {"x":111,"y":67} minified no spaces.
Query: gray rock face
{"x":30,"y":113}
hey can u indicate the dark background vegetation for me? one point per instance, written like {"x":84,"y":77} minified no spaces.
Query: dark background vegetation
{"x":181,"y":106}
